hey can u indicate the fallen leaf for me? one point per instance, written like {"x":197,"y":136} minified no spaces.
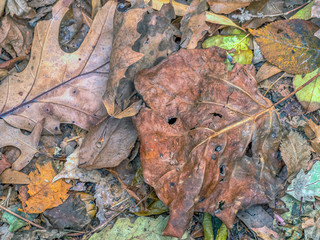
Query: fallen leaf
{"x":72,"y":171}
{"x":239,"y":42}
{"x":27,"y":144}
{"x":290,"y":45}
{"x":193,"y":25}
{"x":227,"y":6}
{"x":304,"y":13}
{"x":295,"y":152}
{"x":141,"y":40}
{"x":15,"y":38}
{"x":207,"y":226}
{"x":312,"y":131}
{"x":10,"y":176}
{"x":107,"y":144}
{"x":142,"y":228}
{"x":209,"y":139}
{"x":20,"y":9}
{"x":306,"y":186}
{"x":44,"y":194}
{"x":267,"y":70}
{"x":4,"y":163}
{"x":309,"y":96}
{"x":71,"y":214}
{"x":2,"y":6}
{"x":315,"y":11}
{"x":41,"y":88}
{"x":313,"y":232}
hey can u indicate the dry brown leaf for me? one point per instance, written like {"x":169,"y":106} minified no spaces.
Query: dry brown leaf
{"x":315,"y":10}
{"x":27,"y":144}
{"x":209,"y":139}
{"x":290,"y":45}
{"x":43,"y":193}
{"x":296,"y":153}
{"x":108,"y":144}
{"x":142,"y":38}
{"x":15,"y":37}
{"x":312,"y":131}
{"x":19,"y":8}
{"x":193,"y":24}
{"x":4,"y":163}
{"x":266,"y":70}
{"x":10,"y":176}
{"x":227,"y":6}
{"x":77,"y":102}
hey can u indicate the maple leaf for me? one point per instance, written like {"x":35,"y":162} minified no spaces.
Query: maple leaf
{"x":59,"y":86}
{"x":290,"y":45}
{"x":209,"y":139}
{"x":43,"y":193}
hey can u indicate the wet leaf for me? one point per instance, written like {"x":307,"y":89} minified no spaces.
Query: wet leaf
{"x":44,"y":194}
{"x":193,"y":25}
{"x":141,"y":40}
{"x":202,"y":139}
{"x":306,"y":186}
{"x":240,"y":43}
{"x":142,"y":228}
{"x":309,"y":96}
{"x":227,"y":6}
{"x":27,"y":144}
{"x":296,"y":153}
{"x":290,"y":45}
{"x":77,"y":102}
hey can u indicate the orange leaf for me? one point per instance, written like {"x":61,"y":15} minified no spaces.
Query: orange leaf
{"x":43,"y":193}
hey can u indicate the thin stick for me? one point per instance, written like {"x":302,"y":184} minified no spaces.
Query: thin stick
{"x":297,"y":90}
{"x":22,"y":218}
{"x":273,"y":84}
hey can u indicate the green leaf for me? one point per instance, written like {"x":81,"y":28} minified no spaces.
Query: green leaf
{"x":220,"y":19}
{"x":222,"y":232}
{"x":304,"y":13}
{"x":145,"y":228}
{"x":207,"y":227}
{"x":155,"y":208}
{"x":309,"y":96}
{"x":240,"y":43}
{"x":306,"y":186}
{"x":14,"y":222}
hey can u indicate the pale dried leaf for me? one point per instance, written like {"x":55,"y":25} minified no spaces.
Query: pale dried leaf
{"x":295,"y":151}
{"x":10,"y":176}
{"x":20,"y":8}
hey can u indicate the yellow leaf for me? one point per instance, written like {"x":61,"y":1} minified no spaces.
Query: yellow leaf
{"x":43,"y":193}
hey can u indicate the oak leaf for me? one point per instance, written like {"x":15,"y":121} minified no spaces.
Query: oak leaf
{"x":295,"y":151}
{"x":44,"y":194}
{"x":27,"y":144}
{"x":209,"y":139}
{"x":43,"y":88}
{"x":290,"y":45}
{"x":4,"y":163}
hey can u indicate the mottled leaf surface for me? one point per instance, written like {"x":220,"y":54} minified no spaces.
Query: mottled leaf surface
{"x":209,"y":139}
{"x":290,"y":45}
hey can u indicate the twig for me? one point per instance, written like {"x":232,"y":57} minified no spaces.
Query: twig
{"x":22,"y":218}
{"x":49,"y":90}
{"x":281,"y":14}
{"x":273,"y":84}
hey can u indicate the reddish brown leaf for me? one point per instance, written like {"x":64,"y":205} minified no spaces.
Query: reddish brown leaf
{"x":4,"y":163}
{"x":290,"y":45}
{"x":209,"y":139}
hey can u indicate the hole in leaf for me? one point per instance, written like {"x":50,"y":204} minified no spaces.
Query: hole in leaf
{"x":172,"y":120}
{"x":222,"y":170}
{"x":279,"y":31}
{"x":218,"y":148}
{"x":221,"y":203}
{"x":214,"y":156}
{"x":217,"y":115}
{"x":249,"y":150}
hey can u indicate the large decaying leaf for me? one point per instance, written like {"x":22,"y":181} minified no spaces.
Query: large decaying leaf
{"x":27,"y":144}
{"x":77,"y":102}
{"x":309,"y":96}
{"x":295,"y":151}
{"x":306,"y":186}
{"x":209,"y":139}
{"x":44,"y":194}
{"x":290,"y":45}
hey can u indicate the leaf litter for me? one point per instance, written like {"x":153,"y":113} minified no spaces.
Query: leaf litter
{"x":204,"y":137}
